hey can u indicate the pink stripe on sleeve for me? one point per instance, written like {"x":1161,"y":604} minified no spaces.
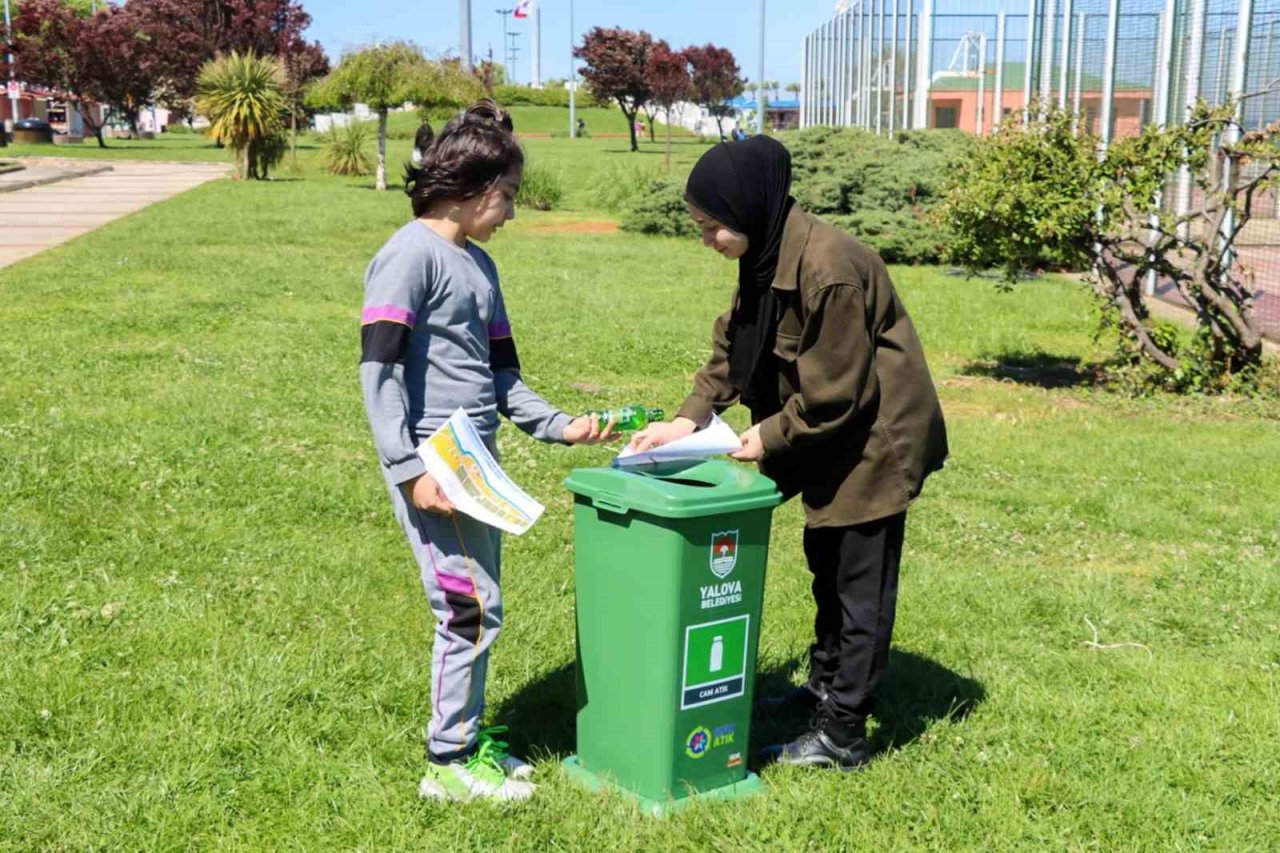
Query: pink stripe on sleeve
{"x":375,"y":313}
{"x":499,"y":330}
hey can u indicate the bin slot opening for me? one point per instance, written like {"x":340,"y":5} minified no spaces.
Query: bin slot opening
{"x":684,"y":481}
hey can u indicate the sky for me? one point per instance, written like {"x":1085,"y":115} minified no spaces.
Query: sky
{"x":341,"y":25}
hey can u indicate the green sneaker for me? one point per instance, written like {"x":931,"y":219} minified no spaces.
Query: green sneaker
{"x":482,"y":775}
{"x":514,"y":767}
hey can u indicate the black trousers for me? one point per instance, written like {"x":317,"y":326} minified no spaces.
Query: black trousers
{"x":855,"y":588}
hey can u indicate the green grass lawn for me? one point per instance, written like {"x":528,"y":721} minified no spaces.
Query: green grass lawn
{"x":213,"y":635}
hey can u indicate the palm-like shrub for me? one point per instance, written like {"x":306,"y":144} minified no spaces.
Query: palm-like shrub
{"x":346,"y":149}
{"x":242,"y":95}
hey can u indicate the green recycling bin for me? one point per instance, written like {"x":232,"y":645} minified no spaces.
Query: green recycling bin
{"x":669,"y":576}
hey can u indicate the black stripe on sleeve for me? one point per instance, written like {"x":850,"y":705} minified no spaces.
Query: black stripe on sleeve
{"x":384,"y":341}
{"x":502,"y":354}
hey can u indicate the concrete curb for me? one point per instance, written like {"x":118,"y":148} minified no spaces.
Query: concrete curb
{"x":9,"y":187}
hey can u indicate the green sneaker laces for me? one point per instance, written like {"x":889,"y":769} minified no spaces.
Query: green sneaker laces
{"x":489,"y":751}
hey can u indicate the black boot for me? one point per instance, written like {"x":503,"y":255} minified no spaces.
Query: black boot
{"x":826,"y":744}
{"x":800,"y":698}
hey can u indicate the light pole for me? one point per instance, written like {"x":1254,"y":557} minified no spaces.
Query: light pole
{"x":504,"y":13}
{"x":12,"y":81}
{"x":464,"y":36}
{"x":759,"y":78}
{"x":573,"y":78}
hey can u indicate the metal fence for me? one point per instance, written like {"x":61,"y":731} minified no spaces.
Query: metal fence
{"x":1117,"y":65}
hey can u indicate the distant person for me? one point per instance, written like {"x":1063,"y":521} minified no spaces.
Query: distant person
{"x":739,"y":134}
{"x":582,"y":127}
{"x":820,"y":349}
{"x":435,"y":337}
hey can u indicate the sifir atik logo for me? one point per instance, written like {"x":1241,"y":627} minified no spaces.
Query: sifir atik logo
{"x":724,"y":552}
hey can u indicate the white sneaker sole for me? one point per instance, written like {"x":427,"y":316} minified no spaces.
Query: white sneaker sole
{"x":429,"y":789}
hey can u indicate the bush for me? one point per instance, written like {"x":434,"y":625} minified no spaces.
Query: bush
{"x":660,"y":209}
{"x":616,"y":187}
{"x":540,"y":188}
{"x":346,"y":149}
{"x":881,"y":190}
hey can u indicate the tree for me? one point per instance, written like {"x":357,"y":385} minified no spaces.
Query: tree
{"x":794,"y":89}
{"x":715,"y":80}
{"x":390,"y":75}
{"x":300,"y":69}
{"x":185,"y":34}
{"x":243,"y":97}
{"x":667,"y":76}
{"x":1040,"y":191}
{"x":99,"y":59}
{"x":616,"y":60}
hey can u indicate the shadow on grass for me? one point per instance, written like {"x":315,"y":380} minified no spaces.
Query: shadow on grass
{"x":1034,"y":368}
{"x":916,"y":693}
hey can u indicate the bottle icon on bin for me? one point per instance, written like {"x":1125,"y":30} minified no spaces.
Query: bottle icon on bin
{"x":717,"y":653}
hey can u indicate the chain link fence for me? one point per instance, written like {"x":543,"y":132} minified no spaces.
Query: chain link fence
{"x":1117,"y":65}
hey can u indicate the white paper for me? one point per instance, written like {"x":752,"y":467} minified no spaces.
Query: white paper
{"x":716,"y":440}
{"x":468,"y":474}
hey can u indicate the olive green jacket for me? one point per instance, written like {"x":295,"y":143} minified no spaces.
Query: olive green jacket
{"x":860,"y":426}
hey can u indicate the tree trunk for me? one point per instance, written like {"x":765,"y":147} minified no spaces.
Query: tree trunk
{"x":245,"y":173}
{"x":668,"y":139}
{"x":380,"y":182}
{"x":631,"y":126}
{"x":293,"y":137}
{"x":649,"y":116}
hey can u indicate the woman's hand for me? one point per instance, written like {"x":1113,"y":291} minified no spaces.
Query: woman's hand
{"x":658,"y":434}
{"x":586,"y":430}
{"x":752,"y":449}
{"x":425,"y":493}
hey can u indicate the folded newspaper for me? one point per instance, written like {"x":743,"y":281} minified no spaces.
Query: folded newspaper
{"x":716,"y":440}
{"x":468,"y":474}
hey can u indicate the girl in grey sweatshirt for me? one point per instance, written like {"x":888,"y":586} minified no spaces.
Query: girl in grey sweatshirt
{"x":435,"y":337}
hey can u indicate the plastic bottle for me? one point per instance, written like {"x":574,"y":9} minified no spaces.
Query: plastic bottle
{"x":628,"y":418}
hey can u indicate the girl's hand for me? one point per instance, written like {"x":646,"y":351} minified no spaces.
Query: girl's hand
{"x":425,"y":493}
{"x":586,"y":430}
{"x":752,"y":449}
{"x":656,"y":435}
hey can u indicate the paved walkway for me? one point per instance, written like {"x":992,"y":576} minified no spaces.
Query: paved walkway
{"x":32,"y":220}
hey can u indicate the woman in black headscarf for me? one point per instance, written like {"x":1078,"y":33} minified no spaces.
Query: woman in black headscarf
{"x":818,"y":346}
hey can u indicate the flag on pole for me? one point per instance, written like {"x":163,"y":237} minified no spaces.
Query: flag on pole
{"x":522,"y":9}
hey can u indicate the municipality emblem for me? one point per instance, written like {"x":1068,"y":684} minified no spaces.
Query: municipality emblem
{"x":724,"y":552}
{"x":698,"y":742}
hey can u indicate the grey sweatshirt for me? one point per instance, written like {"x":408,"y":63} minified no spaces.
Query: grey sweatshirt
{"x":435,"y":337}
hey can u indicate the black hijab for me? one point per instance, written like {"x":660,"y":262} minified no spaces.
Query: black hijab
{"x":746,"y":185}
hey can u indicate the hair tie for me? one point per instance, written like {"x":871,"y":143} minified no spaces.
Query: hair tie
{"x":416,"y":157}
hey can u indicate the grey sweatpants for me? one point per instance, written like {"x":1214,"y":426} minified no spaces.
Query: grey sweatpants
{"x":460,"y":560}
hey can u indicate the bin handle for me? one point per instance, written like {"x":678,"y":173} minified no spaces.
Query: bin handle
{"x":609,"y":502}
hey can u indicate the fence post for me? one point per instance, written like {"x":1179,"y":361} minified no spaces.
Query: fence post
{"x":924,"y":62}
{"x":1239,"y":79}
{"x":998,"y":106}
{"x":1109,"y":72}
{"x":1029,"y":61}
{"x":906,"y":68}
{"x":1066,"y":54}
{"x":1164,"y":69}
{"x":1046,"y":49}
{"x":1082,"y":21}
{"x":982,"y":84}
{"x":1195,"y":64}
{"x":893,"y":72}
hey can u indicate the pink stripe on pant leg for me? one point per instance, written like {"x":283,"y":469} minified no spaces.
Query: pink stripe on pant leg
{"x":455,"y":583}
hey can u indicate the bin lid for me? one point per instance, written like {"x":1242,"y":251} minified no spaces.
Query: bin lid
{"x":677,"y":491}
